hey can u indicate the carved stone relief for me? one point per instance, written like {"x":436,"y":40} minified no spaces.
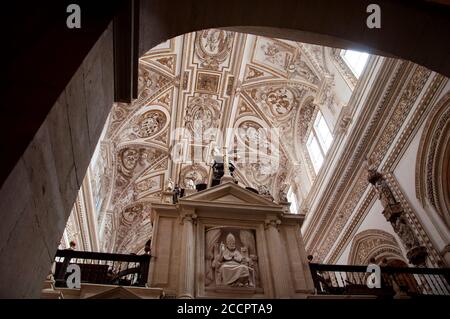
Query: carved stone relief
{"x":151,"y":82}
{"x":231,"y":258}
{"x":138,"y":218}
{"x":305,"y":117}
{"x":273,"y":54}
{"x":279,"y":101}
{"x":202,"y":113}
{"x":299,"y":69}
{"x":213,"y":47}
{"x":213,"y":67}
{"x":149,"y":124}
{"x":253,"y":135}
{"x":131,"y":162}
{"x":195,"y":173}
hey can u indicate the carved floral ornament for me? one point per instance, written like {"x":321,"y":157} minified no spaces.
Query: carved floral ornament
{"x":396,"y":215}
{"x":131,"y":213}
{"x":259,"y":173}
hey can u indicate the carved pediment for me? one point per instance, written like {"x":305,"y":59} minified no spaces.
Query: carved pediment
{"x":230,"y":193}
{"x":230,"y":198}
{"x":116,"y":293}
{"x":92,"y":291}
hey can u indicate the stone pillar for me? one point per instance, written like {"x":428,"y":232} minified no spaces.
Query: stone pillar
{"x":187,"y":257}
{"x":394,"y":213}
{"x":278,"y":262}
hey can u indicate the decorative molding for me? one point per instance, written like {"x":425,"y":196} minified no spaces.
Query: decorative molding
{"x":373,"y":243}
{"x":401,"y":144}
{"x":431,"y":161}
{"x":434,"y":258}
{"x":405,"y":103}
{"x":343,"y":68}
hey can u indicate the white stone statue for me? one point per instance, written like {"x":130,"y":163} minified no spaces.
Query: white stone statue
{"x":169,"y":185}
{"x":232,"y":267}
{"x":190,"y":184}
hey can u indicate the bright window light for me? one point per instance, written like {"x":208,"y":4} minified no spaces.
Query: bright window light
{"x":319,"y":141}
{"x":314,"y":152}
{"x":323,"y":133}
{"x":355,"y":60}
{"x":293,"y":200}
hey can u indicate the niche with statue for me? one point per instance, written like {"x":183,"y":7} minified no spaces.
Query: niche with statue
{"x":231,"y":259}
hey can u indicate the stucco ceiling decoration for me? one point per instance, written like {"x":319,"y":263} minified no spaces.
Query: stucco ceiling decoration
{"x":205,"y":83}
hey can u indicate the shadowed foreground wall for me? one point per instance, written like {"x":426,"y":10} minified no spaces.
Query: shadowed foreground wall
{"x":38,"y":196}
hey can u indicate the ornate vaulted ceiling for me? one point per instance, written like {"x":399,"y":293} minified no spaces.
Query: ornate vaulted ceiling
{"x":192,"y":90}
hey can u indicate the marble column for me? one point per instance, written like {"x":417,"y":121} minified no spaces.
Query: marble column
{"x":187,"y":257}
{"x":278,"y":262}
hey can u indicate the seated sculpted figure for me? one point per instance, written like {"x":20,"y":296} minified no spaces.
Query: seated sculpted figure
{"x":230,"y":265}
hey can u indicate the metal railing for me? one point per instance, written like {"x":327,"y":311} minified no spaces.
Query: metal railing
{"x":102,"y":268}
{"x":395,"y":281}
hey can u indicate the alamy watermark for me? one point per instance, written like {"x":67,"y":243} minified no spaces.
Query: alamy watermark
{"x":374,"y":279}
{"x":247,"y":144}
{"x":74,"y":279}
{"x":373,"y":21}
{"x":73,"y":21}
